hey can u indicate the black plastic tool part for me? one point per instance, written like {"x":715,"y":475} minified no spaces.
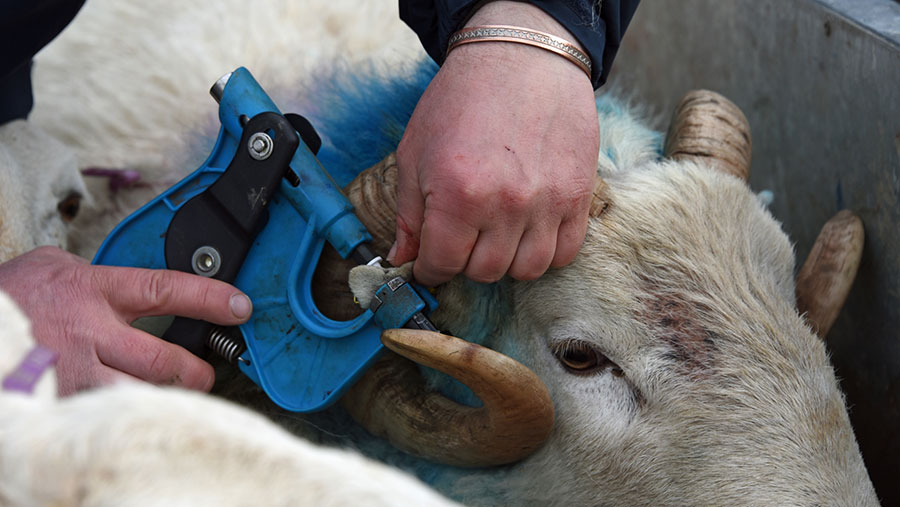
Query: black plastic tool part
{"x":307,"y":132}
{"x":228,"y":215}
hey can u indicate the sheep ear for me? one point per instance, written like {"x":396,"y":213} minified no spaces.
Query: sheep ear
{"x":824,"y":281}
{"x":711,"y":130}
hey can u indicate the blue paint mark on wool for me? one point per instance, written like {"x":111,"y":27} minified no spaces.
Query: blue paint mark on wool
{"x":361,"y":114}
{"x":610,"y":107}
{"x":485,"y":316}
{"x":628,"y":132}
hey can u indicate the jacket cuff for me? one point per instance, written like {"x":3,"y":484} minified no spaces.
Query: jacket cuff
{"x":436,"y":21}
{"x":587,"y":26}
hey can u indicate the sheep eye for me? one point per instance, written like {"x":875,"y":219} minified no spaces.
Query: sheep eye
{"x":581,"y":357}
{"x":68,"y":207}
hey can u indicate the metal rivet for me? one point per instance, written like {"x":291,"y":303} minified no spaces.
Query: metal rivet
{"x":260,"y":145}
{"x":206,"y":261}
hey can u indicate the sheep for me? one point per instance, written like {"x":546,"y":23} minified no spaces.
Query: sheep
{"x":40,"y":189}
{"x":136,"y":444}
{"x":679,"y":367}
{"x":104,"y":464}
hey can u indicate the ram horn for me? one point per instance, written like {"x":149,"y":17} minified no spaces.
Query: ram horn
{"x":709,"y":129}
{"x":391,"y":399}
{"x":392,"y":402}
{"x":824,"y":281}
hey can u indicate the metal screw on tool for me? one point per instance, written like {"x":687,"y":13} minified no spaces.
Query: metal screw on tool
{"x":206,"y":261}
{"x":260,"y":145}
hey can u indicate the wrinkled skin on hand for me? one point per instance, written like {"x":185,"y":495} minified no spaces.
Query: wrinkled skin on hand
{"x":84,"y":311}
{"x":497,"y":165}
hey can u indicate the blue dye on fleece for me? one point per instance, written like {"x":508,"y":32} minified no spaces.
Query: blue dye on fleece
{"x":613,"y":110}
{"x":608,"y":106}
{"x":488,"y":307}
{"x":361,"y":116}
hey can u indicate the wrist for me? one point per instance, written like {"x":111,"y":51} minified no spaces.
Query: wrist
{"x":511,"y":52}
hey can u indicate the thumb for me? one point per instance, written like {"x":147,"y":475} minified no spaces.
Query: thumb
{"x":410,"y":216}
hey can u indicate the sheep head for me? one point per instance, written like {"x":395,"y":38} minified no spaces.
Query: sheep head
{"x":34,"y":212}
{"x":672,"y":348}
{"x":680,"y":369}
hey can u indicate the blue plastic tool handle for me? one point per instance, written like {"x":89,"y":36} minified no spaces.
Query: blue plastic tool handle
{"x":303,"y":360}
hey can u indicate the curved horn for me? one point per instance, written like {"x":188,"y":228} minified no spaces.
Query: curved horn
{"x":391,"y":399}
{"x":391,"y":402}
{"x":828,"y":273}
{"x":374,"y":195}
{"x":709,"y":129}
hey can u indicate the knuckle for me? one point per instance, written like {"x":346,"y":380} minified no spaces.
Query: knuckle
{"x":519,"y":198}
{"x":443,"y":263}
{"x":458,"y":180}
{"x":526,"y":273}
{"x":160,"y":368}
{"x":484,"y":277}
{"x":471,"y":190}
{"x":429,"y":274}
{"x":563,"y":258}
{"x":205,"y":295}
{"x":78,"y":281}
{"x":159,"y":288}
{"x":458,"y":197}
{"x":486,"y":272}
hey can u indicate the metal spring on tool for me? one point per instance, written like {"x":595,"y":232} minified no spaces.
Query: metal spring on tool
{"x":222,"y":342}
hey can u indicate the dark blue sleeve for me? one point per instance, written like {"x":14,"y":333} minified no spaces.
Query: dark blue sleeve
{"x":26,"y":26}
{"x":600,"y":33}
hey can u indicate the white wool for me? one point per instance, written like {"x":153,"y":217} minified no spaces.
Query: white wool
{"x":364,"y":281}
{"x":135,"y":444}
{"x":139,"y":445}
{"x":37,"y":172}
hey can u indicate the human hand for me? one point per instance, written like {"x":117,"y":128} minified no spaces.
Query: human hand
{"x":497,"y":164}
{"x":84,"y":311}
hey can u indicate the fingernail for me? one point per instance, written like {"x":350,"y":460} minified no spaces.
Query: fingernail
{"x":241,"y":306}
{"x":392,"y":253}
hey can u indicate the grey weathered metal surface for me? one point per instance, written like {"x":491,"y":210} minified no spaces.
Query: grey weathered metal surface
{"x":819,"y":81}
{"x":879,"y":16}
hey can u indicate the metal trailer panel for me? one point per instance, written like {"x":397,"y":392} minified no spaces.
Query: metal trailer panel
{"x":819,"y":82}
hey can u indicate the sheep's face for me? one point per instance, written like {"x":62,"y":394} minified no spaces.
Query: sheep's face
{"x":40,"y":189}
{"x":679,"y":367}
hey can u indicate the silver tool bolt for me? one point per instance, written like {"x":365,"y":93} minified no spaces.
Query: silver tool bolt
{"x":260,"y":145}
{"x":206,"y":261}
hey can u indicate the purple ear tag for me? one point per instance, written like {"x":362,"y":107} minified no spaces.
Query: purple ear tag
{"x":29,"y":371}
